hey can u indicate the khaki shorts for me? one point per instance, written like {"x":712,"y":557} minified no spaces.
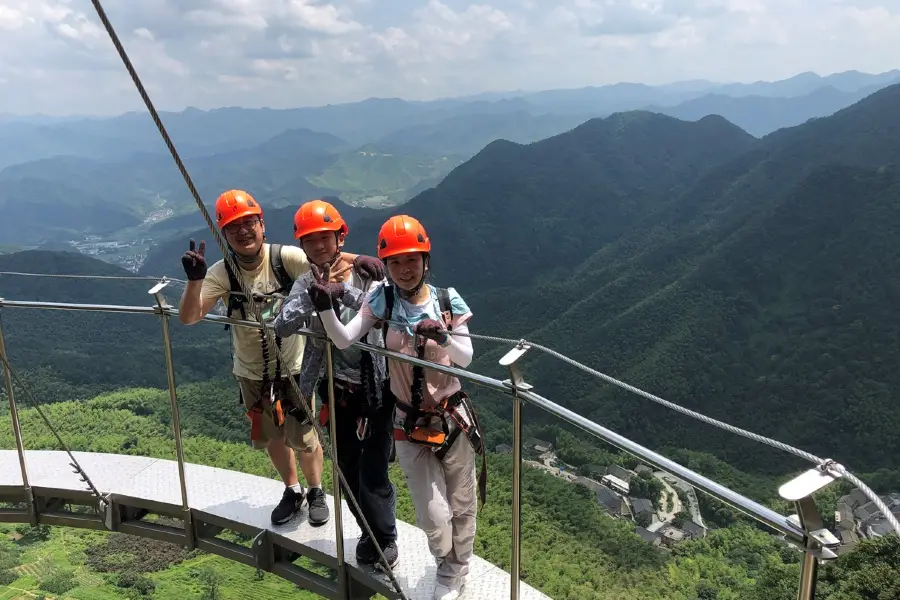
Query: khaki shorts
{"x":299,"y":436}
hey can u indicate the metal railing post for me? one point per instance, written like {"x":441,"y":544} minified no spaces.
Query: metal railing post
{"x":17,"y":431}
{"x":820,"y":542}
{"x":162,"y":309}
{"x":516,"y":382}
{"x":343,"y":583}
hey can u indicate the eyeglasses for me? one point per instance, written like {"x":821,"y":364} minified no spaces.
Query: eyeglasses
{"x":249,"y":225}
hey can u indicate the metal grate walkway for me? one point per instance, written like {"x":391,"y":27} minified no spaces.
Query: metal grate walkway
{"x":222,"y":499}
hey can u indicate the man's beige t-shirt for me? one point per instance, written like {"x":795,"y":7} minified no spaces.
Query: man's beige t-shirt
{"x":248,"y":360}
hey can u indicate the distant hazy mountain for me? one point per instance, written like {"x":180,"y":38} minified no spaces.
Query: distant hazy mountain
{"x":67,"y":197}
{"x":198,"y":132}
{"x":624,"y":96}
{"x":467,"y":134}
{"x":761,"y":115}
{"x":804,"y":83}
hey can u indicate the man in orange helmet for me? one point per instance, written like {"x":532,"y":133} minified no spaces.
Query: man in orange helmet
{"x":364,"y":405}
{"x":278,"y":422}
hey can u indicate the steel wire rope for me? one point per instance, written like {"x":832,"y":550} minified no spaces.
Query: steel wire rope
{"x":34,"y":404}
{"x":832,"y":467}
{"x":836,"y":469}
{"x":254,"y":310}
{"x":78,"y":276}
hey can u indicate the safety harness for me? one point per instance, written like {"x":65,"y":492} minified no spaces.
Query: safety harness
{"x":455,"y":413}
{"x":272,"y":390}
{"x":374,"y":401}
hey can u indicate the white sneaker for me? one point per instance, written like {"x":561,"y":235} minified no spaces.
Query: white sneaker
{"x":442,"y":592}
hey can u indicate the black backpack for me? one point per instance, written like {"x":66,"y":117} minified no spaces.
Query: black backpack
{"x":443,"y":302}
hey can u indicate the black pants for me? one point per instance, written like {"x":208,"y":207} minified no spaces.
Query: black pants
{"x":365,"y":463}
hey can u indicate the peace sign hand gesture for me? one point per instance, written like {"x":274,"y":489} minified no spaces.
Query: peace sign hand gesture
{"x":324,"y":294}
{"x":194,"y":262}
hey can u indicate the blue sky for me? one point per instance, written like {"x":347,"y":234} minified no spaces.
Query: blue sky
{"x":283,"y":53}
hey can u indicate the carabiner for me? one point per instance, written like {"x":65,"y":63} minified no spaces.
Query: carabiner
{"x":362,"y":428}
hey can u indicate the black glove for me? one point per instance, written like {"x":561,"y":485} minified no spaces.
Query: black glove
{"x":194,"y":262}
{"x":369,"y":267}
{"x":433,"y":330}
{"x":325,"y":296}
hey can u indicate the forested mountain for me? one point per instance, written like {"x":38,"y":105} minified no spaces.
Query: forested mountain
{"x":718,"y":299}
{"x":67,"y":197}
{"x":78,"y":354}
{"x":689,"y":258}
{"x":750,"y":279}
{"x":620,"y":166}
{"x":70,"y":178}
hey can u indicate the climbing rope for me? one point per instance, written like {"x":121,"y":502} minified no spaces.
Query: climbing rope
{"x":254,"y":309}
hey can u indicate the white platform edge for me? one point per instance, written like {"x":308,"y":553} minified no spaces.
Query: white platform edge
{"x":248,"y":499}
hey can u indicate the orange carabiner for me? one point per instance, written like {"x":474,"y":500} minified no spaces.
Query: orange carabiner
{"x":278,"y":413}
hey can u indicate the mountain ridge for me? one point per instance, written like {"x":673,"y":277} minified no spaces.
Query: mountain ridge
{"x":633,"y":243}
{"x":199,"y":132}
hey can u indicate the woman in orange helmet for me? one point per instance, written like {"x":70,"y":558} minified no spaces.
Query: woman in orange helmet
{"x":434,"y":424}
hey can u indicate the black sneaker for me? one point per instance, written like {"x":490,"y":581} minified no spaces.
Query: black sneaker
{"x":318,"y":508}
{"x":390,"y":553}
{"x":365,"y":550}
{"x":291,"y":502}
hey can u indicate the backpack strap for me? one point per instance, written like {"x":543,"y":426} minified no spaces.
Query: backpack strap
{"x":446,"y":308}
{"x":388,"y":310}
{"x":285,"y":281}
{"x":235,"y":295}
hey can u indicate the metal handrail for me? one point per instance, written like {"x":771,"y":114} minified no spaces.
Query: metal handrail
{"x":780,"y":523}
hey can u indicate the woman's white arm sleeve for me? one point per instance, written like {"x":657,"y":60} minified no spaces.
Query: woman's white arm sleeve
{"x":460,"y":349}
{"x":342,"y":335}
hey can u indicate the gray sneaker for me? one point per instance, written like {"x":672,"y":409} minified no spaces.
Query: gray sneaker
{"x":318,"y":508}
{"x":391,"y":554}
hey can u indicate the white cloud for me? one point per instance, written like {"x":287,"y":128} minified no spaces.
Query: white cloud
{"x":57,"y":58}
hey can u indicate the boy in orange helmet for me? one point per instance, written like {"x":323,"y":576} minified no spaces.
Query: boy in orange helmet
{"x":363,"y":404}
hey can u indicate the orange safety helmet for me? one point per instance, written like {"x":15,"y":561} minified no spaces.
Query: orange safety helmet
{"x":315,"y":216}
{"x":233,"y":205}
{"x":402,"y":234}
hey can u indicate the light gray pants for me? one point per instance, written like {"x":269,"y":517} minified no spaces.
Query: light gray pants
{"x":444,"y":494}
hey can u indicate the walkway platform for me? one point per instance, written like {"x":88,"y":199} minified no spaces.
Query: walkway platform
{"x":221,"y":500}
